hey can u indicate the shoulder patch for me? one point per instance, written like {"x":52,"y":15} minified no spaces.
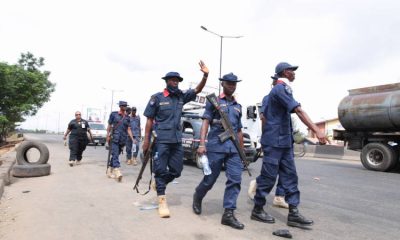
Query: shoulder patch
{"x":288,"y":89}
{"x":152,"y":100}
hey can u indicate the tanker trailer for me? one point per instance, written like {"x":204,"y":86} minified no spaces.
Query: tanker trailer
{"x":371,"y":119}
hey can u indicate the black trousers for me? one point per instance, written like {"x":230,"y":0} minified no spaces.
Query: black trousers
{"x":76,"y":146}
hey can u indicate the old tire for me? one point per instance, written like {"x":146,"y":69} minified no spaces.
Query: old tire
{"x":378,"y":157}
{"x":23,"y":149}
{"x":32,"y":170}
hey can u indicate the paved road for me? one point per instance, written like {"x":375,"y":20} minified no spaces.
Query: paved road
{"x":345,"y":201}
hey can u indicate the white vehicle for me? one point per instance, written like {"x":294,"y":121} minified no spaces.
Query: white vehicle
{"x":252,"y":125}
{"x":99,"y":132}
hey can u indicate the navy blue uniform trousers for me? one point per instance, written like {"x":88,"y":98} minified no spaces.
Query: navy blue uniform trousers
{"x":168,"y":164}
{"x":277,"y":161}
{"x":233,"y":174}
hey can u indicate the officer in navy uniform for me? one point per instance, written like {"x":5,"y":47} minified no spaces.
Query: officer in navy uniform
{"x":119,"y":123}
{"x":165,"y":109}
{"x":277,"y":141}
{"x":279,"y":199}
{"x":78,"y":138}
{"x":131,"y":153}
{"x":220,"y":153}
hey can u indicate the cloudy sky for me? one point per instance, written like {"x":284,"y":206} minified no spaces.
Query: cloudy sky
{"x":94,"y":47}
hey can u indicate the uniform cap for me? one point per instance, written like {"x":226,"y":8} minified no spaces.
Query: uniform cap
{"x":122,"y":103}
{"x":173,"y":75}
{"x":283,"y":66}
{"x":133,"y":108}
{"x":230,"y":77}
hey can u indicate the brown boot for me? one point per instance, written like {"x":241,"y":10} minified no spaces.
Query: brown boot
{"x":110,"y":173}
{"x":163,"y":210}
{"x":118,"y":174}
{"x":134,"y":161}
{"x":129,"y":161}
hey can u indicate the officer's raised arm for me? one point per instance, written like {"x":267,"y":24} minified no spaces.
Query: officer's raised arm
{"x":205,"y":71}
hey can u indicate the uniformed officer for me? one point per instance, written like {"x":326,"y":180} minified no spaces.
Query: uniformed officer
{"x":277,"y":141}
{"x":119,"y":124}
{"x":78,"y":138}
{"x":132,"y":147}
{"x":279,"y":198}
{"x":165,"y":108}
{"x":220,"y":153}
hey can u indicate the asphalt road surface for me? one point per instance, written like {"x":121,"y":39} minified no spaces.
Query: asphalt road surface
{"x":345,"y":201}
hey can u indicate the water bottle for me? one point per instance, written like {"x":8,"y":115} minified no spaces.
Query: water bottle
{"x":206,"y":166}
{"x":133,"y":148}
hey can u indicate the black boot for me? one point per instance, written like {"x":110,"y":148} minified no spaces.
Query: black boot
{"x":196,"y":204}
{"x":229,"y":219}
{"x":259,"y":214}
{"x":295,"y":219}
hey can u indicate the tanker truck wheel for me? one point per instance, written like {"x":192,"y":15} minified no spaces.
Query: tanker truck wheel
{"x":378,"y":157}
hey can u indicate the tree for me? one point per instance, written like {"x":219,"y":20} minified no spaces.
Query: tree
{"x":25,"y":88}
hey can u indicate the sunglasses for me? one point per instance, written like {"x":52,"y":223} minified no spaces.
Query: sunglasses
{"x":78,"y":114}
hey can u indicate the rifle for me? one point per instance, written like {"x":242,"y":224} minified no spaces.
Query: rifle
{"x":109,"y":148}
{"x":229,"y":132}
{"x":148,"y":156}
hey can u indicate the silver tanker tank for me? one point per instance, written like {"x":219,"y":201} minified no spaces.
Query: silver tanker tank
{"x":371,"y":109}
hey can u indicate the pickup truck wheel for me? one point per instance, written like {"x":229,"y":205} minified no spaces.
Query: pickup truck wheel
{"x":198,"y":162}
{"x":378,"y":157}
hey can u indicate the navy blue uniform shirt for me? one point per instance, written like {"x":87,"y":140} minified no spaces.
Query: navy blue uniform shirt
{"x":278,"y":128}
{"x":135,"y":125}
{"x":166,"y":109}
{"x":234,"y":112}
{"x":120,"y":123}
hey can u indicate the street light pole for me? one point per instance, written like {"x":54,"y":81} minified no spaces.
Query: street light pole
{"x":112,"y":96}
{"x":220,"y":51}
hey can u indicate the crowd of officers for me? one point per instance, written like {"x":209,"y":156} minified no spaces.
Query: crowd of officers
{"x":163,"y":113}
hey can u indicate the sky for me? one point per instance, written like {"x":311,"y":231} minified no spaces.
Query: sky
{"x":96,"y":48}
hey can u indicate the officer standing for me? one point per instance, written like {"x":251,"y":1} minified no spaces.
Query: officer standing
{"x":119,"y":124}
{"x":132,"y":147}
{"x":277,"y":141}
{"x":220,"y":153}
{"x":78,"y":138}
{"x":165,"y":108}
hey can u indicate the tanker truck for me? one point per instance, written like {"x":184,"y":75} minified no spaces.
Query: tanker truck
{"x":371,"y":120}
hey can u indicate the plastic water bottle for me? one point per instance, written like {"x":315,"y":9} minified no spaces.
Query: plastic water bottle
{"x":133,"y":148}
{"x":206,"y":166}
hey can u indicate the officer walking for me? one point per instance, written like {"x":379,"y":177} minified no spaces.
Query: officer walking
{"x":277,"y":141}
{"x":279,"y":199}
{"x":132,"y":147}
{"x":220,"y":153}
{"x":118,"y":129}
{"x":165,"y":108}
{"x":78,"y":138}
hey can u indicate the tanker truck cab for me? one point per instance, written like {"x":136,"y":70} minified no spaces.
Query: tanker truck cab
{"x":371,"y":120}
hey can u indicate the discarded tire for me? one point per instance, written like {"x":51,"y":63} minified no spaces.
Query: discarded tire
{"x":22,"y":150}
{"x":32,"y":170}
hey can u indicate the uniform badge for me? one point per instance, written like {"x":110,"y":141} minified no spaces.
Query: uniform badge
{"x":152,"y":101}
{"x":164,"y":103}
{"x":288,"y":89}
